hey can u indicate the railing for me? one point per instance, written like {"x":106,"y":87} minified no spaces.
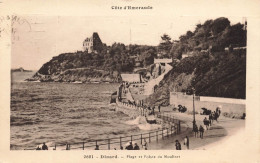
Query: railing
{"x":141,"y":110}
{"x":118,"y":142}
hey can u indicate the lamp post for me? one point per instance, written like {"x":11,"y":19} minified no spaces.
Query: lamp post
{"x":194,"y":121}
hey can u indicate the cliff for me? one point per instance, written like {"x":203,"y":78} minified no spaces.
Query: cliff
{"x":77,"y":75}
{"x":75,"y":67}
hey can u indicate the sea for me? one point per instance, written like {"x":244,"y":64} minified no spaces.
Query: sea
{"x":61,"y":113}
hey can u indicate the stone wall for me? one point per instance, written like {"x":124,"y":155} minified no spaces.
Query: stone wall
{"x":131,"y":110}
{"x":237,"y":108}
{"x":225,"y":100}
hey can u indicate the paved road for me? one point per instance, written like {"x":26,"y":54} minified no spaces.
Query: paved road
{"x":224,"y":128}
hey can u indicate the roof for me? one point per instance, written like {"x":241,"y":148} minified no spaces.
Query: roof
{"x":165,"y":60}
{"x":131,"y":78}
{"x":188,"y":54}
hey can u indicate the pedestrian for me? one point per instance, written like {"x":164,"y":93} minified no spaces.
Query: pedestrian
{"x":210,"y":119}
{"x":201,"y":132}
{"x":187,"y":142}
{"x":67,"y":147}
{"x":216,"y":116}
{"x":145,"y":144}
{"x":213,"y":116}
{"x":121,"y":148}
{"x":206,"y":123}
{"x":195,"y":130}
{"x":38,"y":148}
{"x":136,"y":147}
{"x":219,"y":112}
{"x":97,"y":147}
{"x":177,"y":145}
{"x":44,"y":147}
{"x":159,"y":108}
{"x":130,"y":146}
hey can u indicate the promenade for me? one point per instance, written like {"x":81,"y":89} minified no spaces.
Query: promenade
{"x":218,"y":133}
{"x":224,"y":129}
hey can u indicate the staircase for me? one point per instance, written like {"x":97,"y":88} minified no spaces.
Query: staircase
{"x":149,"y":86}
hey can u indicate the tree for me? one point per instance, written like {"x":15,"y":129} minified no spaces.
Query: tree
{"x":176,"y":51}
{"x":165,"y":45}
{"x":189,"y":34}
{"x":147,"y":58}
{"x":219,"y":25}
{"x":238,"y":35}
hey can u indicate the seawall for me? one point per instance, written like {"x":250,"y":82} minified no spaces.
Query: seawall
{"x":130,"y":110}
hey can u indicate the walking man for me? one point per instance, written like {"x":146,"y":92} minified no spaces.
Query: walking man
{"x":195,"y":130}
{"x":206,"y":123}
{"x":201,"y":132}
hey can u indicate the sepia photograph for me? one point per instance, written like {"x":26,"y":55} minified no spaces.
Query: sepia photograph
{"x":129,"y":81}
{"x":118,"y":83}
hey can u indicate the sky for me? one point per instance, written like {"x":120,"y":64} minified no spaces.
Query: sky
{"x":36,"y":39}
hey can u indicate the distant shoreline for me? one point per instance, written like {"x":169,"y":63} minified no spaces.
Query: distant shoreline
{"x":75,"y":82}
{"x":20,"y":70}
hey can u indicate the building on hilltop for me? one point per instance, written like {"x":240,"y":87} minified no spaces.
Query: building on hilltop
{"x":93,"y":44}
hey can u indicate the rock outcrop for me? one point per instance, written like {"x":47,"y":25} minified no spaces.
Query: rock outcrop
{"x":78,"y":75}
{"x":75,"y":67}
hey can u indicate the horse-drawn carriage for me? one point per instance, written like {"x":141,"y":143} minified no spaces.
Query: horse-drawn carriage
{"x":182,"y":109}
{"x":205,"y":111}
